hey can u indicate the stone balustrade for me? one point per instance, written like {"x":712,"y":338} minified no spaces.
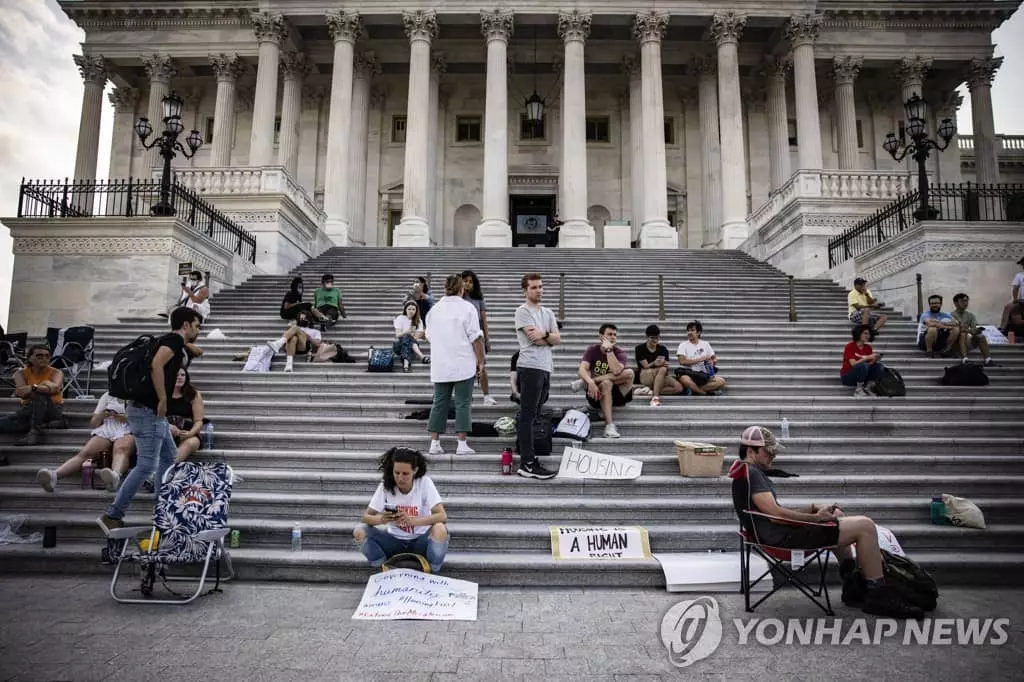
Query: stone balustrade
{"x":1005,"y":144}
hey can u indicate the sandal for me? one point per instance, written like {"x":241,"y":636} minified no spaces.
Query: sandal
{"x":426,"y":359}
{"x":655,"y":402}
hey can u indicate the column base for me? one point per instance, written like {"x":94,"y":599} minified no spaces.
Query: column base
{"x":412,"y":231}
{"x":733,"y":234}
{"x":576,"y":234}
{"x":494,"y":233}
{"x":658,"y":234}
{"x":337,"y":231}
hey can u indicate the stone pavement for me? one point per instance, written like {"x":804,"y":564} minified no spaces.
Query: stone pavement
{"x":68,"y":628}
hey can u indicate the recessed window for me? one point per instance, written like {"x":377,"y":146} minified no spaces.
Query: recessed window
{"x":467,"y":128}
{"x":398,"y":129}
{"x":277,"y":130}
{"x":670,"y":130}
{"x":531,"y":130}
{"x":208,"y":134}
{"x":902,"y":134}
{"x":791,"y":126}
{"x":598,"y":129}
{"x":860,"y":135}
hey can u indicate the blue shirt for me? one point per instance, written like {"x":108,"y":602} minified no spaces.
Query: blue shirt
{"x":929,"y":315}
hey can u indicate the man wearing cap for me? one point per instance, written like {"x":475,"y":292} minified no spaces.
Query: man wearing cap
{"x":1016,"y":301}
{"x":861,"y":304}
{"x":812,"y":527}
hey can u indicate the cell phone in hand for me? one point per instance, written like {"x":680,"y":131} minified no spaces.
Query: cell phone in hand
{"x":390,"y":509}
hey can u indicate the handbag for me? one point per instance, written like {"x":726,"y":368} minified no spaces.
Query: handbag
{"x":380,"y":360}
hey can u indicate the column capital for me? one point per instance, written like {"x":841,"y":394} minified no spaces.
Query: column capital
{"x":159,"y":68}
{"x":777,"y":68}
{"x":228,"y":67}
{"x":193,"y":96}
{"x":93,"y":68}
{"x":420,"y":25}
{"x":124,"y":99}
{"x":557,"y":64}
{"x":366,"y":65}
{"x":755,"y":94}
{"x":845,"y":69}
{"x":982,"y":71}
{"x":947,"y":103}
{"x":631,"y":66}
{"x":313,"y":95}
{"x":378,"y":95}
{"x":913,"y":69}
{"x":704,"y":65}
{"x":650,"y":27}
{"x":803,"y":29}
{"x":881,"y":97}
{"x":497,"y":24}
{"x":268,"y":27}
{"x":574,"y":25}
{"x":295,"y":65}
{"x":726,"y":27}
{"x":438,"y":63}
{"x":344,"y":25}
{"x":244,"y":98}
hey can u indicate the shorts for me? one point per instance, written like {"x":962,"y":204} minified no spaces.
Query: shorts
{"x":941,"y":339}
{"x":813,"y":536}
{"x":646,"y":376}
{"x":857,"y":317}
{"x":618,"y":400}
{"x":699,"y":378}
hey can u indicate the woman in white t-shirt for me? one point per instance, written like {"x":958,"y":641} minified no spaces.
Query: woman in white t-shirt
{"x":698,"y":372}
{"x":409,"y":330}
{"x":405,"y":514}
{"x":110,"y":434}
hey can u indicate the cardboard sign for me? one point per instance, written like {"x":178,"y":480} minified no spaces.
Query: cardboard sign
{"x":709,"y":571}
{"x":404,"y":594}
{"x":184,"y":269}
{"x":614,"y":542}
{"x":578,"y":463}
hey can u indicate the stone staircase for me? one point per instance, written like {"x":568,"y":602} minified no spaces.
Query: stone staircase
{"x":306,"y":443}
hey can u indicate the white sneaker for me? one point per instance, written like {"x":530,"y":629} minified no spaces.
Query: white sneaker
{"x":111,"y":479}
{"x":489,"y":401}
{"x":576,"y":386}
{"x":289,"y":364}
{"x":611,"y":432}
{"x":861,"y":392}
{"x":435,"y":448}
{"x":464,"y":449}
{"x":47,"y":478}
{"x":276,"y":346}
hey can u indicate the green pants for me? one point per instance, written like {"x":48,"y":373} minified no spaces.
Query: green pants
{"x":463,"y":401}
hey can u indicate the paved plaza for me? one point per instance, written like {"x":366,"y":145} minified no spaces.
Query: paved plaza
{"x":68,"y":628}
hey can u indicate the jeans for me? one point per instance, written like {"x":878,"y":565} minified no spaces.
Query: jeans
{"x":402,"y":347}
{"x":155,"y":451}
{"x":381,"y":545}
{"x":534,"y":385}
{"x":862,"y":373}
{"x":33,"y":416}
{"x":463,"y":400}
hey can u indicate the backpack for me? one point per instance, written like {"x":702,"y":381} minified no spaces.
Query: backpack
{"x":903,"y":574}
{"x":574,"y":425}
{"x":128,"y":376}
{"x":406,"y":560}
{"x":891,"y":384}
{"x":964,"y":375}
{"x":381,"y":360}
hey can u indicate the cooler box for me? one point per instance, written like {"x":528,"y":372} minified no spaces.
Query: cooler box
{"x":699,"y":460}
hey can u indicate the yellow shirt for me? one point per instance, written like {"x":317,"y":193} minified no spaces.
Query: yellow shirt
{"x":43,"y":375}
{"x":855,"y":297}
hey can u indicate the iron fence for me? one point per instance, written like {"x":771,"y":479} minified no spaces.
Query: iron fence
{"x":964,"y":202}
{"x":128,"y":198}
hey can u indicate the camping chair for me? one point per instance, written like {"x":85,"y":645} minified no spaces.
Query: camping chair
{"x":72,"y":349}
{"x":191,"y":519}
{"x":12,"y":356}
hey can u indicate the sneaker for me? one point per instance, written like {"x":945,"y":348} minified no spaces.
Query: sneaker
{"x":535,"y":469}
{"x":61,"y":424}
{"x":30,"y":438}
{"x":611,"y":432}
{"x":576,"y":386}
{"x":989,"y":363}
{"x":47,"y":478}
{"x":107,"y":524}
{"x":887,"y":602}
{"x":435,"y":448}
{"x":860,"y":392}
{"x":147,"y":486}
{"x":464,"y":449}
{"x":655,"y":402}
{"x":289,"y":366}
{"x":277,"y":345}
{"x":111,"y":479}
{"x":426,"y":359}
{"x":489,"y":401}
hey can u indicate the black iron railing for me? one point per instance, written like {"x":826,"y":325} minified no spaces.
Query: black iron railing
{"x":127,"y":198}
{"x":966,"y":202}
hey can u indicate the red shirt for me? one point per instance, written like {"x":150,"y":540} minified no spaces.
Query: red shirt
{"x":851,"y":352}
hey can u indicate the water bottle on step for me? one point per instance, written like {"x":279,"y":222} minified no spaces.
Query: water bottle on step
{"x":297,"y":538}
{"x":87,"y":467}
{"x":785,"y":427}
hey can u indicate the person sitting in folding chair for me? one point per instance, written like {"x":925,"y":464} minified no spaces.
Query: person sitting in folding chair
{"x":766,"y":524}
{"x":39,"y":387}
{"x":73,"y":356}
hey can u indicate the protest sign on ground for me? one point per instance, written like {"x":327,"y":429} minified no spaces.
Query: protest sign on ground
{"x":619,"y":542}
{"x":404,"y":594}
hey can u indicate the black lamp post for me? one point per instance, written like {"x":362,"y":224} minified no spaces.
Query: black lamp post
{"x":169,"y":145}
{"x":919,"y":147}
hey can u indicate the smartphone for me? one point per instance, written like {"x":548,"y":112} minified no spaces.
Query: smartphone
{"x":184,"y":281}
{"x":390,"y":509}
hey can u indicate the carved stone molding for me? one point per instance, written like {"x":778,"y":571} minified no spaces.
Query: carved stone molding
{"x":982,"y":72}
{"x":124,"y":100}
{"x":438,"y":63}
{"x":803,"y":29}
{"x":650,"y":27}
{"x":574,"y":25}
{"x":137,"y":17}
{"x":846,"y":69}
{"x":228,"y":67}
{"x":93,"y":68}
{"x":117,"y":246}
{"x":497,"y":24}
{"x":295,"y":65}
{"x":726,"y":27}
{"x":159,"y":68}
{"x":420,"y":25}
{"x":940,"y":250}
{"x":269,"y":28}
{"x":914,"y":69}
{"x":777,"y":67}
{"x":345,"y":25}
{"x":895,"y":19}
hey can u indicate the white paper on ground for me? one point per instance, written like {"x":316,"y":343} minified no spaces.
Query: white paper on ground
{"x":580,"y":463}
{"x":404,"y":594}
{"x":216,"y":335}
{"x":709,"y":571}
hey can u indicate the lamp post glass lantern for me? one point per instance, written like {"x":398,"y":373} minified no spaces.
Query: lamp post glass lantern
{"x":919,"y":147}
{"x":168,"y":146}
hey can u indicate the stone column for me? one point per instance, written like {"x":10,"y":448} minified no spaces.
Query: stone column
{"x":986,"y":154}
{"x":294,"y":67}
{"x":802,"y":31}
{"x":228,"y":68}
{"x":270,"y":30}
{"x":121,"y":142}
{"x":776,"y":70}
{"x":438,"y":66}
{"x":947,"y":105}
{"x":365,"y":68}
{"x":845,"y":70}
{"x":574,"y":28}
{"x":726,"y":28}
{"x":497,"y":27}
{"x":710,"y":150}
{"x":345,"y":28}
{"x":655,"y":233}
{"x":631,"y":67}
{"x":312,"y":138}
{"x":94,"y":74}
{"x":414,"y":230}
{"x":160,"y":69}
{"x":911,"y":72}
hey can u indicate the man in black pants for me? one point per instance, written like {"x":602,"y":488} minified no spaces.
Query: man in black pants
{"x":537,"y":332}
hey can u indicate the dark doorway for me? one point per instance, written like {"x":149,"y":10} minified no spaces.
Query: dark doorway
{"x":530,"y":217}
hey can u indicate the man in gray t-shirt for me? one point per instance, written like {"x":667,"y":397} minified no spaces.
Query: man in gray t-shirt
{"x":537,"y":332}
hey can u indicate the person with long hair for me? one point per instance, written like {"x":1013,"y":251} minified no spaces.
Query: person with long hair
{"x":405,"y":514}
{"x":292,"y":304}
{"x":861,"y":368}
{"x":420,"y":293}
{"x":409,"y":330}
{"x":471,"y":292}
{"x":185,"y":413}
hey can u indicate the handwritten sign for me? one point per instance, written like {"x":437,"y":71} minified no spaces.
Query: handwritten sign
{"x":404,"y":594}
{"x":616,"y":542}
{"x":579,"y":463}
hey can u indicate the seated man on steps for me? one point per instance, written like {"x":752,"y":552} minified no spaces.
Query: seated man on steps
{"x":609,"y":382}
{"x":699,"y":372}
{"x":652,"y":360}
{"x":819,"y":525}
{"x":40,"y":388}
{"x":970,"y":333}
{"x":936,"y":331}
{"x":327,"y":300}
{"x":862,"y":306}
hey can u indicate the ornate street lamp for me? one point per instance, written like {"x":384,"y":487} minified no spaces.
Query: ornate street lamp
{"x":168,"y":145}
{"x":919,"y":147}
{"x":535,"y":103}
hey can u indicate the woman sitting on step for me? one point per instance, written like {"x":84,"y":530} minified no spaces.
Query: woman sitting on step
{"x":861,"y":367}
{"x":409,"y":330}
{"x":185,"y":412}
{"x":406,"y":514}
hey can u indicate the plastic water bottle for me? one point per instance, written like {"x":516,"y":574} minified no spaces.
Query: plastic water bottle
{"x":785,"y":427}
{"x":236,"y":539}
{"x":297,"y":538}
{"x":87,"y":467}
{"x":207,"y":436}
{"x":938,"y":511}
{"x":506,"y":462}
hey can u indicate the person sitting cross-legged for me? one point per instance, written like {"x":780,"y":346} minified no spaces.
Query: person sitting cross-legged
{"x":699,"y":372}
{"x":406,"y":513}
{"x":409,"y":330}
{"x":861,"y":367}
{"x":652,"y":359}
{"x":862,"y":306}
{"x":817,"y":526}
{"x":970,"y":333}
{"x":609,"y":382}
{"x":937,"y":331}
{"x":327,"y":301}
{"x":39,"y":387}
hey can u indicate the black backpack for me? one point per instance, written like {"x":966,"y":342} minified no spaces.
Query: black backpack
{"x":964,"y":375}
{"x":904,"y":575}
{"x":128,"y":376}
{"x":891,"y":384}
{"x":543,"y":427}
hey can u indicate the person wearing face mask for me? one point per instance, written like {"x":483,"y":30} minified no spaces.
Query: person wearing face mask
{"x":195,"y":295}
{"x":327,"y":300}
{"x":292,"y":304}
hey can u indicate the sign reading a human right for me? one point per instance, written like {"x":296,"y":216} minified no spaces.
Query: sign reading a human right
{"x":595,"y":542}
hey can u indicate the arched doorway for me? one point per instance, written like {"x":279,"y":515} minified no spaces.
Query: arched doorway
{"x":467,"y":217}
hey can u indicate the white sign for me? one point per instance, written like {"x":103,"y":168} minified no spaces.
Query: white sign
{"x":404,"y":594}
{"x":709,"y":571}
{"x":578,"y":463}
{"x":620,"y":542}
